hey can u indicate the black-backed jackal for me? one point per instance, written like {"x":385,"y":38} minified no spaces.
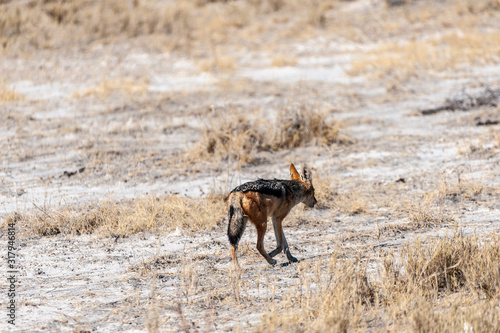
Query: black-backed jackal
{"x":258,"y":200}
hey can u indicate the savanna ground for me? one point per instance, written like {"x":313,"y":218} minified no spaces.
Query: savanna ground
{"x":124,"y":124}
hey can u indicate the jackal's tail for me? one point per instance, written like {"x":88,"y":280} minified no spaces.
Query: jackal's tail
{"x":235,"y":228}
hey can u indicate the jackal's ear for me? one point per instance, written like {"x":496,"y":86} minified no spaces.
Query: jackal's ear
{"x":306,"y":173}
{"x":294,"y":174}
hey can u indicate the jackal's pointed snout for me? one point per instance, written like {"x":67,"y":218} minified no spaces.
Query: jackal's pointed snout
{"x":312,"y":203}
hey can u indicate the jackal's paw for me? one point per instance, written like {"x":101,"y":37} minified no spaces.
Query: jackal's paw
{"x":275,"y":252}
{"x":292,"y":259}
{"x":272,"y":262}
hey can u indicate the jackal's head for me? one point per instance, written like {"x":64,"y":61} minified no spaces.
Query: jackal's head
{"x":306,"y":179}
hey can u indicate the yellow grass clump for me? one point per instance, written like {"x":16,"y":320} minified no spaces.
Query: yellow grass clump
{"x":282,"y":60}
{"x":241,"y":137}
{"x":9,"y":95}
{"x":107,"y":87}
{"x":125,"y":218}
{"x":302,"y":125}
{"x":228,"y":137}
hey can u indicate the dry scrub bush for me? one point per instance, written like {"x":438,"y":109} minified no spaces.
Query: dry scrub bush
{"x":443,"y":285}
{"x":239,"y":138}
{"x":302,"y":125}
{"x":57,"y":23}
{"x":125,"y":218}
{"x":228,"y":137}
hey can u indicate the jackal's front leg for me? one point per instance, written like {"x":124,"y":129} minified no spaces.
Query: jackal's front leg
{"x":287,"y":249}
{"x":281,"y":240}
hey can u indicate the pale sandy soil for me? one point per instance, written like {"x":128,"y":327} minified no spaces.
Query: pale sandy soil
{"x":132,"y":141}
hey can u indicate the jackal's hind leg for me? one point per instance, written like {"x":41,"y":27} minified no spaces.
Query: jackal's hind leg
{"x":261,"y":232}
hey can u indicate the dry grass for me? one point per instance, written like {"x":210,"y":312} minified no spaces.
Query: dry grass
{"x":426,"y":212}
{"x":242,"y":135}
{"x":461,"y":188}
{"x":61,"y":23}
{"x":9,"y":95}
{"x":282,"y":60}
{"x":449,"y":51}
{"x":325,"y":191}
{"x":352,"y":203}
{"x":108,"y":218}
{"x":442,"y":286}
{"x":303,"y":124}
{"x":436,"y":206}
{"x":218,"y":63}
{"x":108,"y":87}
{"x":229,"y":137}
{"x":198,"y":27}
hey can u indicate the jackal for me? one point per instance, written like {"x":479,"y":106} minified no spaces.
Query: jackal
{"x":260,"y":199}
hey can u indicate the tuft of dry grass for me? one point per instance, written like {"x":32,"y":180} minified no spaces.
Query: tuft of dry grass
{"x":333,"y":297}
{"x":425,"y":212}
{"x":241,"y":136}
{"x":282,"y":60}
{"x":9,"y":95}
{"x":219,"y":63}
{"x":108,"y":218}
{"x":107,"y":87}
{"x":227,"y":137}
{"x":301,"y":125}
{"x":464,"y":187}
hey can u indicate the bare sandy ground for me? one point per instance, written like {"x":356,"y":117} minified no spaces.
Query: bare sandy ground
{"x":125,"y":117}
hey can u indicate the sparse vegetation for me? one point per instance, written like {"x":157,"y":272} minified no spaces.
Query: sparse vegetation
{"x":283,"y":60}
{"x":302,"y":125}
{"x":424,"y":287}
{"x":234,"y":137}
{"x":124,"y":218}
{"x":238,"y":138}
{"x":121,"y":99}
{"x":351,"y":203}
{"x":426,"y":212}
{"x":106,"y":87}
{"x":439,"y":54}
{"x":9,"y":95}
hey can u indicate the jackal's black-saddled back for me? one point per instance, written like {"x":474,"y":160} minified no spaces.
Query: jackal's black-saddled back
{"x":270,"y":187}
